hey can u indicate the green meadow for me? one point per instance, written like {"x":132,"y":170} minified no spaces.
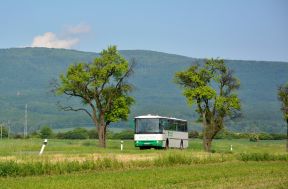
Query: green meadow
{"x":32,"y":146}
{"x":81,"y":164}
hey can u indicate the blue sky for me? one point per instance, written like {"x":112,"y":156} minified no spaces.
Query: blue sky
{"x":233,"y":29}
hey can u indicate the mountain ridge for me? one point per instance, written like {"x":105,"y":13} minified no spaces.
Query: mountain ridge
{"x":27,"y":72}
{"x":145,"y":50}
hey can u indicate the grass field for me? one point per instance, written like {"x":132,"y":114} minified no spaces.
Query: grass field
{"x":132,"y":168}
{"x":219,"y":175}
{"x":56,"y":146}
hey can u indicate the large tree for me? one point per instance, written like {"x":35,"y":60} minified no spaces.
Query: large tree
{"x":211,"y":88}
{"x":283,"y":97}
{"x":102,"y":87}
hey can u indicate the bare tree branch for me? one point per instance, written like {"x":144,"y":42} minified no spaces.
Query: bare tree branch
{"x":70,"y":108}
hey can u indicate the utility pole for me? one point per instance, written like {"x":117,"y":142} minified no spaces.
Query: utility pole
{"x":8,"y":124}
{"x":26,"y":122}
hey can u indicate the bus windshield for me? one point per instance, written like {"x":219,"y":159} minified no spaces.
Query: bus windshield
{"x":147,"y":126}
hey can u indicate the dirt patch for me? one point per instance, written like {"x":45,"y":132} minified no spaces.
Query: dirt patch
{"x":80,"y":157}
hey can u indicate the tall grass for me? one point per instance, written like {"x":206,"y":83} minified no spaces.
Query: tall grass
{"x":46,"y":167}
{"x":262,"y":157}
{"x":13,"y":168}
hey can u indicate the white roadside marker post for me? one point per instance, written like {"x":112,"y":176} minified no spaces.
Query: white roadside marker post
{"x":43,"y":146}
{"x":121,"y":146}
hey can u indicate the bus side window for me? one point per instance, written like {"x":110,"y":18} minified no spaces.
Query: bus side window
{"x":178,"y":125}
{"x":171,"y":125}
{"x":182,"y":126}
{"x":163,"y":123}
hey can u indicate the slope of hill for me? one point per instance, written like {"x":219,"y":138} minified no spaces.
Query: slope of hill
{"x":25,"y":74}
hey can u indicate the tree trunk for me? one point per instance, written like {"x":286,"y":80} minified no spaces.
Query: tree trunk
{"x":102,"y":136}
{"x":207,"y":136}
{"x":207,"y":143}
{"x":102,"y":131}
{"x":210,"y":129}
{"x":207,"y":133}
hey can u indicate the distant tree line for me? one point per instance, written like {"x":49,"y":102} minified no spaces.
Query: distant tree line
{"x":77,"y":133}
{"x":253,"y":137}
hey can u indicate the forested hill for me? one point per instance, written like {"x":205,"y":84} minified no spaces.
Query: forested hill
{"x":25,"y":74}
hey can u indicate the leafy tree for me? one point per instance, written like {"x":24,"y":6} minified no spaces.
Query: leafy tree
{"x":283,"y":97}
{"x":102,"y":88}
{"x":126,"y":134}
{"x":193,"y":134}
{"x":210,"y":88}
{"x":78,"y":133}
{"x":4,"y":132}
{"x":46,"y":132}
{"x":93,"y":134}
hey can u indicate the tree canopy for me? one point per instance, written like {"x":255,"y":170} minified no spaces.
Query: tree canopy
{"x":211,"y":88}
{"x":46,"y":132}
{"x":102,"y":88}
{"x":283,"y":98}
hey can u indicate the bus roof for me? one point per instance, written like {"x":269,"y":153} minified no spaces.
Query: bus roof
{"x":157,"y":117}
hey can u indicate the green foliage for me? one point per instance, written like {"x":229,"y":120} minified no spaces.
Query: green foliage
{"x":121,"y":109}
{"x":4,"y":132}
{"x":213,"y":103}
{"x":78,"y":133}
{"x":276,"y":136}
{"x":283,"y":97}
{"x":193,"y":134}
{"x":101,"y":85}
{"x":265,"y":136}
{"x":198,"y":87}
{"x":254,"y":138}
{"x":46,"y":132}
{"x":124,"y":135}
{"x":93,"y":134}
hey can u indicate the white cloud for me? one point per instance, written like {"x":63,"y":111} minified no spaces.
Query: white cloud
{"x":79,"y":29}
{"x":50,"y":40}
{"x":67,"y":39}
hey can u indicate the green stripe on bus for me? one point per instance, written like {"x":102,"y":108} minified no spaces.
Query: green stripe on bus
{"x":140,"y":143}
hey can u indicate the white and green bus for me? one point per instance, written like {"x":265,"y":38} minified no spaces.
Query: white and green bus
{"x":153,"y":131}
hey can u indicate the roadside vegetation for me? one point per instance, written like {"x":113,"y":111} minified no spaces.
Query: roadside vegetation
{"x":20,"y":157}
{"x":216,"y":175}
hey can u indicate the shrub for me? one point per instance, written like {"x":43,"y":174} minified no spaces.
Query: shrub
{"x":126,"y":134}
{"x":265,"y":136}
{"x":279,"y":136}
{"x":46,"y":132}
{"x":254,"y":138}
{"x":18,"y":136}
{"x":4,"y":132}
{"x":60,"y":135}
{"x":193,"y":134}
{"x":93,"y":134}
{"x":78,"y":133}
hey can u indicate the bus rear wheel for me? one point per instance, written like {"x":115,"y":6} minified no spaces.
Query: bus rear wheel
{"x":181,"y":145}
{"x":167,"y":144}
